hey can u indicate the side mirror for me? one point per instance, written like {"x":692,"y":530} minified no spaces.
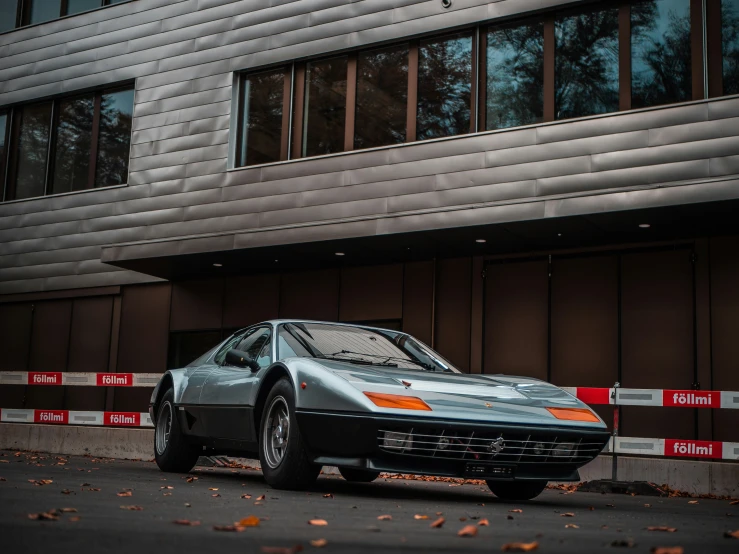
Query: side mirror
{"x":241,"y":359}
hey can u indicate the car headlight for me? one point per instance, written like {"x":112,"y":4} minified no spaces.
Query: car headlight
{"x":564,"y":450}
{"x":397,"y":441}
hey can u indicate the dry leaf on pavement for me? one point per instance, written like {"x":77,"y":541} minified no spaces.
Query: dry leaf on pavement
{"x":667,"y":550}
{"x":125,"y":493}
{"x":438,"y":523}
{"x":68,"y":510}
{"x":567,"y":514}
{"x":692,"y":502}
{"x":329,"y":495}
{"x":250,"y":521}
{"x":132,"y":508}
{"x":419,"y":516}
{"x":41,"y":482}
{"x":216,"y":495}
{"x":319,"y":543}
{"x":210,"y":489}
{"x":572,"y":526}
{"x":319,"y":522}
{"x":191,"y":479}
{"x":67,"y":491}
{"x":44,"y":516}
{"x":483,"y":523}
{"x":247,"y":496}
{"x":385,"y":517}
{"x":662,"y":528}
{"x":520,"y":546}
{"x":733,"y":502}
{"x":186,"y":522}
{"x":516,"y":511}
{"x":732,"y":534}
{"x":235,"y":528}
{"x":261,"y":497}
{"x":467,"y":531}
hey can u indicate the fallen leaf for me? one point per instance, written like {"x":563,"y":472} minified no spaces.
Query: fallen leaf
{"x":319,"y":522}
{"x":210,"y":489}
{"x":186,"y":522}
{"x":439,"y":513}
{"x":67,"y":491}
{"x":567,"y":514}
{"x":68,"y":510}
{"x":132,"y":508}
{"x":250,"y":521}
{"x":667,"y":550}
{"x":94,"y":490}
{"x":188,"y":505}
{"x":329,"y":495}
{"x":520,"y":546}
{"x":591,"y":508}
{"x":261,"y":497}
{"x":125,"y":493}
{"x":44,"y":516}
{"x":647,"y":505}
{"x":438,"y":523}
{"x":247,"y":496}
{"x":732,"y":534}
{"x":385,"y":517}
{"x":692,"y":502}
{"x":733,"y":502}
{"x":572,"y":526}
{"x":662,"y":528}
{"x":319,"y":543}
{"x":483,"y":523}
{"x":282,"y":549}
{"x":419,"y":516}
{"x":467,"y":531}
{"x":191,"y":479}
{"x":236,"y":528}
{"x":166,"y":494}
{"x":216,"y":495}
{"x":516,"y":511}
{"x":41,"y":482}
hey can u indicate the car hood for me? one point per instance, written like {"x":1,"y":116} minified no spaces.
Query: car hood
{"x":463,"y":396}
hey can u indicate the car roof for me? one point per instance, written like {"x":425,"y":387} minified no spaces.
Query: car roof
{"x":275,"y":322}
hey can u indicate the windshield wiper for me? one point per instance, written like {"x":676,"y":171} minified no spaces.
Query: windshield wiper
{"x":386,"y":359}
{"x":357,"y":361}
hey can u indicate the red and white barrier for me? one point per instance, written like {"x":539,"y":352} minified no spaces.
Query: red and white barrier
{"x":71,"y":417}
{"x":58,"y":378}
{"x":674,"y":448}
{"x":657,"y":397}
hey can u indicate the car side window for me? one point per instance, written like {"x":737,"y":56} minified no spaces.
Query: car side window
{"x":221,"y":355}
{"x":256,"y":344}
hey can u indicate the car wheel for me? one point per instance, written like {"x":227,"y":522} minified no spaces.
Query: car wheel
{"x":282,"y":453}
{"x":172,"y":452}
{"x":354,"y":475}
{"x":517,"y":490}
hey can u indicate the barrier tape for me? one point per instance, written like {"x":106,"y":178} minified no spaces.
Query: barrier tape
{"x":657,"y":397}
{"x":58,"y":378}
{"x":72,"y":417}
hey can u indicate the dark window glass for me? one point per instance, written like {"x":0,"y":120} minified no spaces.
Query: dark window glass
{"x":256,"y":344}
{"x":660,"y":52}
{"x":44,"y":10}
{"x":77,"y":6}
{"x":515,"y":75}
{"x":3,"y":151}
{"x":382,"y":97}
{"x":730,"y":44}
{"x":586,"y":63}
{"x":444,"y":87}
{"x":32,"y":150}
{"x":325,"y":107}
{"x":73,"y":145}
{"x":261,"y":129}
{"x":114,"y":144}
{"x":8,"y":14}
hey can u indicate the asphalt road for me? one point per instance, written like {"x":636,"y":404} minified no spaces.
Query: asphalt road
{"x":100,"y":525}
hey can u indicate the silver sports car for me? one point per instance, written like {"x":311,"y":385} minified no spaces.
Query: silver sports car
{"x":303,"y":394}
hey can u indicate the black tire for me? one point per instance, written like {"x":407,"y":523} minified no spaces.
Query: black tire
{"x":173,"y":453}
{"x":294,"y":469}
{"x":354,"y":475}
{"x":517,"y":490}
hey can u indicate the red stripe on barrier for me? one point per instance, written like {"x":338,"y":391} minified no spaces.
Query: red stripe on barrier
{"x":691,"y":398}
{"x":44,"y":378}
{"x":693,"y":449}
{"x":115,"y":379}
{"x":60,"y":417}
{"x":594,"y":396}
{"x":126,"y":419}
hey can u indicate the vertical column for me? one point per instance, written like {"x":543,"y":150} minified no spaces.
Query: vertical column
{"x":475,"y":85}
{"x":286,"y":103}
{"x":351,"y":101}
{"x":410,"y":126}
{"x":696,"y":48}
{"x":94,"y":140}
{"x":298,"y":106}
{"x":482,"y":80}
{"x":549,"y":74}
{"x":715,"y":53}
{"x":624,"y":56}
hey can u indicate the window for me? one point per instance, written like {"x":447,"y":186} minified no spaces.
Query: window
{"x":730,"y":45}
{"x":515,"y":76}
{"x":3,"y":143}
{"x":382,"y":97}
{"x":325,"y":107}
{"x":232,"y":342}
{"x":8,"y":15}
{"x":41,"y":11}
{"x":661,"y":54}
{"x":70,"y":144}
{"x":444,"y":86}
{"x":44,"y":10}
{"x":256,"y":345}
{"x":262,"y":97}
{"x":586,"y":65}
{"x":77,"y":6}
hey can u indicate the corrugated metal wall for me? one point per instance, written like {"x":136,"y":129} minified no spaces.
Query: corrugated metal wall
{"x":182,"y":55}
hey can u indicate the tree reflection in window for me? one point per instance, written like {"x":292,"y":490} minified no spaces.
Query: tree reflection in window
{"x":730,"y":45}
{"x":515,"y":76}
{"x":661,"y":71}
{"x":261,"y":129}
{"x":444,"y":86}
{"x":32,"y":149}
{"x":325,"y":107}
{"x":382,"y":97}
{"x":73,"y":144}
{"x":116,"y":113}
{"x":3,"y":153}
{"x":587,"y":63}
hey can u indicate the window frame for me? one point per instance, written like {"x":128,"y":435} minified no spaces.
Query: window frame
{"x":6,"y":151}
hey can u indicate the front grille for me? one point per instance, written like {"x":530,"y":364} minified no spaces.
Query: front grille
{"x":488,"y":446}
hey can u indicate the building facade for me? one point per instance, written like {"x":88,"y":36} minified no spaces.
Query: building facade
{"x":538,"y":187}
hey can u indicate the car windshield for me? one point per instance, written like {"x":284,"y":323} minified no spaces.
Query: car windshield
{"x":358,"y":345}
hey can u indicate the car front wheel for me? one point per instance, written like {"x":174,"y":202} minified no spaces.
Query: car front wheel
{"x":172,"y":452}
{"x":282,"y":453}
{"x":517,"y":490}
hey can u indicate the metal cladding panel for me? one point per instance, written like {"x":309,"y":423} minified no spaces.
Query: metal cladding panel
{"x":182,"y":55}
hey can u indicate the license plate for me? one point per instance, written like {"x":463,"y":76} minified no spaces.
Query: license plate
{"x":489,"y":470}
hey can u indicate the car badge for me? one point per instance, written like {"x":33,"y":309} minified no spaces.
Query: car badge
{"x":496,"y":446}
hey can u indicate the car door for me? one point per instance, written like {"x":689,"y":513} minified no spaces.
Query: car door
{"x":228,"y":394}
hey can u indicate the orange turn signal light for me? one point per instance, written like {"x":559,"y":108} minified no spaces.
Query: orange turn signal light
{"x":398,"y":401}
{"x":574,"y":414}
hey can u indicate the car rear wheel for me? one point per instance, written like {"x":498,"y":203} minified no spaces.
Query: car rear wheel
{"x":172,"y":452}
{"x":354,"y":475}
{"x":517,"y":490}
{"x":282,"y":453}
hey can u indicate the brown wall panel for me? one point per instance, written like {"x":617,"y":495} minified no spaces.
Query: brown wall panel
{"x":418,"y":300}
{"x":371,"y":293}
{"x":15,"y":337}
{"x":310,"y":295}
{"x":724,"y":326}
{"x":143,"y":339}
{"x":197,"y":305}
{"x":250,"y":299}
{"x":657,"y":338}
{"x":49,"y":350}
{"x":516,"y":319}
{"x":585,"y":324}
{"x":89,"y":346}
{"x":453,"y":289}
